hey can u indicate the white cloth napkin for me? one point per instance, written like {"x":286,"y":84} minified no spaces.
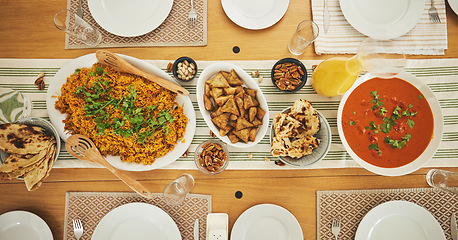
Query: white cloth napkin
{"x":426,"y":38}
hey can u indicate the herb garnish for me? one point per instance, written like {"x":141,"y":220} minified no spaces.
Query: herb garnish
{"x":389,"y":122}
{"x":143,"y":123}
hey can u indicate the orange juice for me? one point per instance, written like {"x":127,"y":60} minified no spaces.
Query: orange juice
{"x":335,"y":76}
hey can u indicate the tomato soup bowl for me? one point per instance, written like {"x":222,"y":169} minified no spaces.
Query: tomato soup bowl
{"x":428,"y":120}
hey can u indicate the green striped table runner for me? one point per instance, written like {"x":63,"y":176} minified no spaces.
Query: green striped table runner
{"x":440,"y":74}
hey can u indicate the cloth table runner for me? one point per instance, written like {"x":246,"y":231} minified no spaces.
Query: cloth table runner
{"x":352,"y":205}
{"x":426,"y":38}
{"x":440,"y":74}
{"x":91,"y":207}
{"x":174,"y":31}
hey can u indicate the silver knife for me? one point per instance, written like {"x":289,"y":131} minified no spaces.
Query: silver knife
{"x":196,"y":229}
{"x":453,"y":227}
{"x":326,"y":17}
{"x":79,"y":10}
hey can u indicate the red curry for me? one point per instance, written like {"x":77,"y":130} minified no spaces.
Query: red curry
{"x":387,"y":122}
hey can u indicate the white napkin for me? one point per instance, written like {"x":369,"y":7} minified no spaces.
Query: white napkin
{"x":426,"y":38}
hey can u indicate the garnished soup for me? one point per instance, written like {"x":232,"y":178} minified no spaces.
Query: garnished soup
{"x":387,"y":122}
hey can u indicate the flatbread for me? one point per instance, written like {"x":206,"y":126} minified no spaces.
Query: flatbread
{"x":35,"y":177}
{"x":22,"y":139}
{"x":16,"y":161}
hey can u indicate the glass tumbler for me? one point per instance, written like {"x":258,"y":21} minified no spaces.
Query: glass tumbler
{"x":67,"y":21}
{"x":175,"y":192}
{"x":306,"y":32}
{"x":444,"y":180}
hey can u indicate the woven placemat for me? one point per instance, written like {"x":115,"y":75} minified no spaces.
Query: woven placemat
{"x":91,"y":207}
{"x":352,"y":205}
{"x":174,"y":31}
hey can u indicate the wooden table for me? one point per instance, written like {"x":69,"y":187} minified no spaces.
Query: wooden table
{"x":27,"y":31}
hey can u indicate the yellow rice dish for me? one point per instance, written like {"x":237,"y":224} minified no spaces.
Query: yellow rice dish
{"x":122,"y":113}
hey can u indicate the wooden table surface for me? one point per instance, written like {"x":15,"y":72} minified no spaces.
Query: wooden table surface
{"x":27,"y":31}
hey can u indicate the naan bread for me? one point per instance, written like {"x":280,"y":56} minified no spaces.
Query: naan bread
{"x":22,"y":139}
{"x":16,"y":161}
{"x":294,"y":131}
{"x":35,"y":177}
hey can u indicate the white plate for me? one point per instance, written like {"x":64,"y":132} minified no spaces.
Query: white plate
{"x":383,"y":19}
{"x":56,"y":117}
{"x":267,"y":222}
{"x":20,"y":225}
{"x":209,"y":72}
{"x":139,"y":221}
{"x":255,"y":14}
{"x":325,"y":137}
{"x":129,"y":18}
{"x":429,"y":151}
{"x":454,"y":5}
{"x":399,"y":220}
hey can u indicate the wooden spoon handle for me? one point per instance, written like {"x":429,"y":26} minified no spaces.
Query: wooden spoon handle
{"x":120,"y":64}
{"x":132,"y":183}
{"x":162,"y":82}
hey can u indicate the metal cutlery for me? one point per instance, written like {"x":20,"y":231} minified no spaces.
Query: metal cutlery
{"x":335,"y":227}
{"x":77,"y":228}
{"x":196,"y":229}
{"x":453,"y":227}
{"x":192,"y":18}
{"x":433,"y":15}
{"x":326,"y":17}
{"x":79,"y":10}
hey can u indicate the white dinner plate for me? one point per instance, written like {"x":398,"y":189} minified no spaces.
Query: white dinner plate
{"x":20,"y":225}
{"x":430,"y":149}
{"x":255,"y":14}
{"x":129,"y":18}
{"x":208,"y":73}
{"x":399,"y":220}
{"x":56,"y":117}
{"x":267,"y":222}
{"x":139,"y":221}
{"x":383,"y":19}
{"x":454,"y":5}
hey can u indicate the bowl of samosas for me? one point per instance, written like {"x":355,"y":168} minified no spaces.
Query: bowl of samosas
{"x":232,"y":105}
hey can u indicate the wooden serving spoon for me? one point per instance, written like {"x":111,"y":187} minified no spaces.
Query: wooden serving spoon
{"x":83,"y":148}
{"x":121,"y":65}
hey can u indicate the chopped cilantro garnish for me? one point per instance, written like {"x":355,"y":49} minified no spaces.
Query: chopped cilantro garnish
{"x":352,"y":123}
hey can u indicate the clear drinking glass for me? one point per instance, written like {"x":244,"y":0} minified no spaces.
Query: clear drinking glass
{"x":67,"y":21}
{"x":175,"y":192}
{"x":306,"y":32}
{"x":442,"y":179}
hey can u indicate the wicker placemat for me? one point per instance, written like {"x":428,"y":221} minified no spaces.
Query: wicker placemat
{"x":352,"y":205}
{"x":174,"y":31}
{"x":91,"y":207}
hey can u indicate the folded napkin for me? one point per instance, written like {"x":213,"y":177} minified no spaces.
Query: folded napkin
{"x":426,"y":38}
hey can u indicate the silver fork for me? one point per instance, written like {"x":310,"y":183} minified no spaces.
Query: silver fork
{"x":78,"y":228}
{"x":335,"y":227}
{"x":192,"y":18}
{"x":433,"y":15}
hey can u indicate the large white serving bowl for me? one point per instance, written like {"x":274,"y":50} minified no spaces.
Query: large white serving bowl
{"x":57,"y":117}
{"x":433,"y":144}
{"x":209,"y":72}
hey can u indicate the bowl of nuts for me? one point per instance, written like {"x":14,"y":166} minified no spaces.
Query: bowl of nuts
{"x":289,"y":75}
{"x":211,"y":157}
{"x":184,"y":69}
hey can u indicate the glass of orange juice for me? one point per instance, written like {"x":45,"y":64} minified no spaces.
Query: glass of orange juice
{"x":381,"y":58}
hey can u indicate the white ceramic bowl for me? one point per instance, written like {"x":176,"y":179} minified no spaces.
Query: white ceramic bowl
{"x":209,"y":72}
{"x":433,"y":144}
